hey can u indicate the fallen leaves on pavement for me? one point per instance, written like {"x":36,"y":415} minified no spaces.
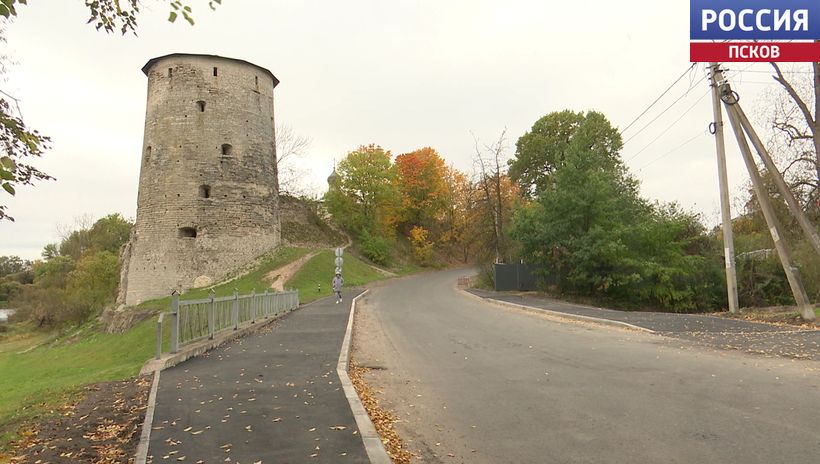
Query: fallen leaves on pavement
{"x":383,"y":420}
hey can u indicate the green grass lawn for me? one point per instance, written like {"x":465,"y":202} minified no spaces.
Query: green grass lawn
{"x":319,"y":272}
{"x":32,"y":382}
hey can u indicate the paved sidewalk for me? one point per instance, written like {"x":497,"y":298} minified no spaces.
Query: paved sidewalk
{"x":271,"y":397}
{"x":717,"y":332}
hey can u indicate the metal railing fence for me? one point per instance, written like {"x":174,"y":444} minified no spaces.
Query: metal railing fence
{"x":192,"y":320}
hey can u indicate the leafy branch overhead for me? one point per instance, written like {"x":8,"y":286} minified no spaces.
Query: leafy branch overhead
{"x":113,"y":15}
{"x":18,"y":142}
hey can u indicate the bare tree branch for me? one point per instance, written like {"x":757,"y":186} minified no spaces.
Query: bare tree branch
{"x":795,"y":161}
{"x":793,"y":93}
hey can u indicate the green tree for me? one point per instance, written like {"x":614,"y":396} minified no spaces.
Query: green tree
{"x":543,"y":150}
{"x":54,"y":272}
{"x":50,"y":251}
{"x":91,"y":285}
{"x":12,"y":265}
{"x":110,"y":233}
{"x":106,"y":234}
{"x":589,"y":232}
{"x":363,"y":197}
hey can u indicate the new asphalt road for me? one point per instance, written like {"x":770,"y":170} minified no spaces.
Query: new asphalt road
{"x":477,"y":383}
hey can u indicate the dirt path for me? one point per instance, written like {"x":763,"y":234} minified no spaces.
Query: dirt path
{"x":279,"y":276}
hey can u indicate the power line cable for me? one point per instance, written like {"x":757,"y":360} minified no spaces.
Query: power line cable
{"x":685,"y":94}
{"x":670,"y":126}
{"x":659,"y":98}
{"x":687,"y":142}
{"x":760,"y":71}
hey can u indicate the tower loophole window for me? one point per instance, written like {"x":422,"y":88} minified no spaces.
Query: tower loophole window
{"x":256,"y":82}
{"x":201,"y":105}
{"x":205,"y":191}
{"x":170,"y":72}
{"x":148,"y":153}
{"x":215,"y":71}
{"x":187,"y":232}
{"x":227,"y":150}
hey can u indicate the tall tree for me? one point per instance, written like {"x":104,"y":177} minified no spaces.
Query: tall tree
{"x":543,"y":149}
{"x":491,"y":166}
{"x":793,"y":115}
{"x":13,"y":265}
{"x":422,"y":186}
{"x":291,"y":148}
{"x":459,"y":216}
{"x":589,"y":232}
{"x":363,"y":197}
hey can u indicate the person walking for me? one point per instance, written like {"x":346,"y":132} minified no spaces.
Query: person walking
{"x":337,"y":284}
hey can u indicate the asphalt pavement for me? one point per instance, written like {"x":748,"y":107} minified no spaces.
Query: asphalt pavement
{"x":271,"y":397}
{"x":713,"y":331}
{"x":473,"y":382}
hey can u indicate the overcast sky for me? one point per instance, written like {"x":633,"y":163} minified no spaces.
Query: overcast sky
{"x":399,"y":73}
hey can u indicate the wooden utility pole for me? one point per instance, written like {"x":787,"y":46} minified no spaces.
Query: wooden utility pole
{"x":726,"y":214}
{"x":787,"y":194}
{"x":730,"y":101}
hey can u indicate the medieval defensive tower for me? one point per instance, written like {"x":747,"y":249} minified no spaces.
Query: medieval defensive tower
{"x":208,"y":188}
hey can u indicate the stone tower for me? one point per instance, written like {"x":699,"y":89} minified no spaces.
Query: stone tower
{"x":208,"y":189}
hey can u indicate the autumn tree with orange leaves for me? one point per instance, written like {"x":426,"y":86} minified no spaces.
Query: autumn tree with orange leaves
{"x":422,"y":187}
{"x":417,"y":199}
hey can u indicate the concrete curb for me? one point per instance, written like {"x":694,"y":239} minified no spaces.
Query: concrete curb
{"x":147,"y":423}
{"x":560,"y":315}
{"x":155,"y":366}
{"x":372,"y":443}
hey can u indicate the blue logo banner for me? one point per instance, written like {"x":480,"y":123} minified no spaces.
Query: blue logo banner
{"x":754,"y":20}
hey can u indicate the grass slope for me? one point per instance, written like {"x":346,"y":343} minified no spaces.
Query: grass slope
{"x":255,"y":279}
{"x":34,"y":381}
{"x":313,"y":280}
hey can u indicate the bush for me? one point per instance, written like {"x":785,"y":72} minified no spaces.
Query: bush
{"x":422,"y":249}
{"x":91,"y":285}
{"x":376,"y":249}
{"x":8,"y":290}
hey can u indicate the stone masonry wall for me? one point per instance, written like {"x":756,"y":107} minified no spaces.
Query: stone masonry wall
{"x":208,"y":190}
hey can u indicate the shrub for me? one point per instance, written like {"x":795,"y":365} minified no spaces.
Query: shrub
{"x":422,"y":249}
{"x":376,"y":249}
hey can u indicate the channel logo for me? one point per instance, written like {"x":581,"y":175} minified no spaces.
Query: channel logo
{"x":754,"y":30}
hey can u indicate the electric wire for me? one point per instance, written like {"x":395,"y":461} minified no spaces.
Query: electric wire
{"x":659,"y":98}
{"x":671,"y":105}
{"x":772,"y":72}
{"x":687,"y":142}
{"x":670,"y":126}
